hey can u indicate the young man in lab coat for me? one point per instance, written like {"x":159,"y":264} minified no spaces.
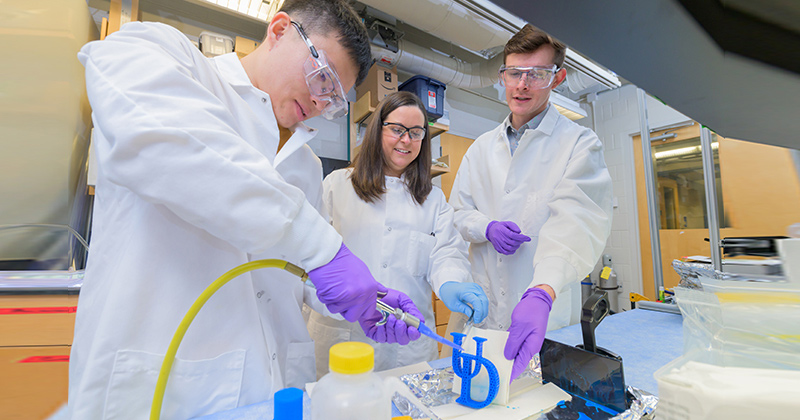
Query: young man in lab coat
{"x":533,"y":199}
{"x":190,"y":185}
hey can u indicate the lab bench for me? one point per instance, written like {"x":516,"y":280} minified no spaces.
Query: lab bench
{"x":645,"y":339}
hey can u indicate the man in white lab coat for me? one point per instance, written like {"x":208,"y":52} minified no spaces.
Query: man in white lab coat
{"x":190,"y":186}
{"x":533,"y":199}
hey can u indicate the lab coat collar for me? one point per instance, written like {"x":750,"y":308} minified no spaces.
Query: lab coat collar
{"x":302,"y":135}
{"x":231,"y":69}
{"x":548,"y":124}
{"x":532,"y":123}
{"x":393,"y":180}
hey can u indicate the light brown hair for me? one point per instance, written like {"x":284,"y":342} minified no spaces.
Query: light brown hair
{"x":530,"y":39}
{"x":370,"y":164}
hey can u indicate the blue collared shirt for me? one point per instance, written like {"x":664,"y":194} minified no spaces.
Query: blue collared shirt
{"x":513,"y":135}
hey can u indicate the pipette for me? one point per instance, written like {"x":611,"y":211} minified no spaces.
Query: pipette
{"x":413,"y":321}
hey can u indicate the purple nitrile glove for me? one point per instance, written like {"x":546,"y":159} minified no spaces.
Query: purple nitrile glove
{"x":528,"y":325}
{"x":346,"y":286}
{"x":505,"y":236}
{"x":394,"y":330}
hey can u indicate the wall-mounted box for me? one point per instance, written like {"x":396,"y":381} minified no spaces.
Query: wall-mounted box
{"x":380,"y":82}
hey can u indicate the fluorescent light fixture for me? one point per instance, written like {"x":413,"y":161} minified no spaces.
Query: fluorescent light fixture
{"x":258,"y":9}
{"x":585,"y":66}
{"x":683,"y":151}
{"x":567,"y":107}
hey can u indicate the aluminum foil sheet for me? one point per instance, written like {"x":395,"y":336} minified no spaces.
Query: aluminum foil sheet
{"x":690,"y":272}
{"x":642,"y":407}
{"x":435,"y":387}
{"x":408,"y":408}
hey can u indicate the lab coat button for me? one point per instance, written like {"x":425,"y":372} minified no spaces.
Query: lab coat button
{"x":508,"y":191}
{"x":384,"y":266}
{"x":501,"y":259}
{"x":274,"y":356}
{"x":263,"y":100}
{"x":389,"y":228}
{"x":259,"y":294}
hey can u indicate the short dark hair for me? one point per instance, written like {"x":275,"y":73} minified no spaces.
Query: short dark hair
{"x":368,"y":175}
{"x":530,"y":39}
{"x":325,"y":17}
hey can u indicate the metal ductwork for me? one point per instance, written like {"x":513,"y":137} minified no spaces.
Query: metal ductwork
{"x":416,"y":59}
{"x":463,"y":22}
{"x":446,"y":20}
{"x":489,"y":27}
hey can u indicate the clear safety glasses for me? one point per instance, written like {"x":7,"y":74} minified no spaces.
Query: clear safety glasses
{"x":397,"y":130}
{"x":322,"y":80}
{"x":534,"y":77}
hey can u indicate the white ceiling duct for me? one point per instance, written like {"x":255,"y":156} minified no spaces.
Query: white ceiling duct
{"x":416,"y":59}
{"x":577,"y":81}
{"x":449,"y":20}
{"x":476,"y":25}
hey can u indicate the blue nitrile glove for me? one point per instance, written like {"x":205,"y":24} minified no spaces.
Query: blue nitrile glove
{"x":467,"y":298}
{"x":394,"y":330}
{"x":346,"y":286}
{"x":528,"y":325}
{"x":505,"y":236}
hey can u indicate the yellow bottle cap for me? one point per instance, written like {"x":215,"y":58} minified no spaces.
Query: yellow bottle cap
{"x":352,"y":358}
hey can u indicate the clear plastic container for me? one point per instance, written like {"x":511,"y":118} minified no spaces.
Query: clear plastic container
{"x":213,"y":44}
{"x":351,"y":391}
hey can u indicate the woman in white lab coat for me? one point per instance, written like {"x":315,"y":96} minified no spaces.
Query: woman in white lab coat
{"x":394,"y":219}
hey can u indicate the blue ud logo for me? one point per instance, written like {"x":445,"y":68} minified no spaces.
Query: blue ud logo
{"x":467,"y":366}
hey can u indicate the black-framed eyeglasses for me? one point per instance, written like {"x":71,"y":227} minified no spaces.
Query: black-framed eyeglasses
{"x":416,"y":133}
{"x":322,"y":80}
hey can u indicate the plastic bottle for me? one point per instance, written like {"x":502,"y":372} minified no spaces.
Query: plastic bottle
{"x":351,"y":391}
{"x":289,"y":404}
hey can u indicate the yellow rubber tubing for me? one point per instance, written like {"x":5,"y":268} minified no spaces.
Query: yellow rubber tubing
{"x":169,"y":358}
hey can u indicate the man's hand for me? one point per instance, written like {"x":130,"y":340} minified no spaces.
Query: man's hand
{"x":528,"y":326}
{"x":394,"y":330}
{"x":505,"y":236}
{"x":346,"y":286}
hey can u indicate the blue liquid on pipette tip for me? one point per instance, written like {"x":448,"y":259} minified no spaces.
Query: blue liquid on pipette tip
{"x":423,"y":329}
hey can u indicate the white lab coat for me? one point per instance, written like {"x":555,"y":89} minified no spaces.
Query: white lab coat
{"x":409,"y":247}
{"x":557,"y":188}
{"x":188,"y":189}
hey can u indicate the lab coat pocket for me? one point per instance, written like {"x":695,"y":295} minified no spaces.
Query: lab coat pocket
{"x":194,"y":388}
{"x":420,"y":246}
{"x":300,"y":365}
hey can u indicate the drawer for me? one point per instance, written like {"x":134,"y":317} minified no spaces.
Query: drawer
{"x":35,"y":381}
{"x":37,"y":320}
